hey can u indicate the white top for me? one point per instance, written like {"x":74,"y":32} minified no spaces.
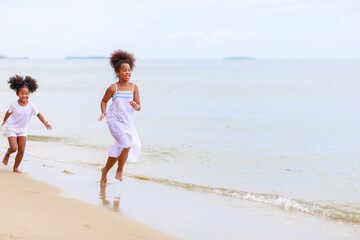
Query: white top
{"x":20,"y":115}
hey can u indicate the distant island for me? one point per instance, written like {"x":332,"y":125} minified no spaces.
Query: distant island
{"x":239,"y":58}
{"x":86,"y":57}
{"x":4,"y":57}
{"x":19,"y":58}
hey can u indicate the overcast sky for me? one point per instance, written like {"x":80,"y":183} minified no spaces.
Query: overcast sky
{"x":264,"y":29}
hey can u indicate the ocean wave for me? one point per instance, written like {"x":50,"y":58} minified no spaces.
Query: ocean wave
{"x":74,"y":141}
{"x":43,"y":138}
{"x":344,"y":213}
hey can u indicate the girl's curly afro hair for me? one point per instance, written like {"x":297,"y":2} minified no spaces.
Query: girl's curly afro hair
{"x":118,"y":57}
{"x":17,"y":82}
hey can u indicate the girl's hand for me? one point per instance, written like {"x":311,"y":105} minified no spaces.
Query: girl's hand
{"x":134,"y":104}
{"x":48,"y":126}
{"x":102,"y":116}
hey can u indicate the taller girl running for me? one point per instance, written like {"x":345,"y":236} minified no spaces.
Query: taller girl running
{"x":120,"y":117}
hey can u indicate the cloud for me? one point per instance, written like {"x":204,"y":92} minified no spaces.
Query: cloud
{"x":173,"y":28}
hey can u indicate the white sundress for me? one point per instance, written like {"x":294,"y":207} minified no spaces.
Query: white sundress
{"x":120,"y":120}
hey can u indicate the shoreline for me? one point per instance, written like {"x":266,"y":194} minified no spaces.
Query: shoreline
{"x":172,"y":210}
{"x":31,"y":209}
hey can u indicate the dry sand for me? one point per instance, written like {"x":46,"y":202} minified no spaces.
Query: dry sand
{"x":30,"y":209}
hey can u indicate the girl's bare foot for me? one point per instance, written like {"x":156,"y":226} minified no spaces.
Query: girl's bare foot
{"x":15,"y":170}
{"x":119,"y":175}
{"x":103,"y":177}
{"x":6,"y":159}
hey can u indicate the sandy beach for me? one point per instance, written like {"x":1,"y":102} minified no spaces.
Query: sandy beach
{"x":54,"y":200}
{"x":31,"y":209}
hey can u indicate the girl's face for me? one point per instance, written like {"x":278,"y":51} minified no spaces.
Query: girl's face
{"x":124,"y":72}
{"x":23,"y":94}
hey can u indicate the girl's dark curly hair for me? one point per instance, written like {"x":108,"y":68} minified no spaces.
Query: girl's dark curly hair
{"x":118,"y":57}
{"x":17,"y":82}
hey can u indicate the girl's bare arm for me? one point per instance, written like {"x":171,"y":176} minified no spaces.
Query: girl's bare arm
{"x":136,"y":102}
{"x":108,"y":94}
{"x":7,"y":115}
{"x":42,"y":119}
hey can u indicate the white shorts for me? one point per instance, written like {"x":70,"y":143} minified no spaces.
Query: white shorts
{"x":16,"y":133}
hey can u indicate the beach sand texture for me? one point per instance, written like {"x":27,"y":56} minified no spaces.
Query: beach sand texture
{"x":31,"y":209}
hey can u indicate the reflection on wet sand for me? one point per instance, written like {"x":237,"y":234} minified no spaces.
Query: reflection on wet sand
{"x":106,"y":202}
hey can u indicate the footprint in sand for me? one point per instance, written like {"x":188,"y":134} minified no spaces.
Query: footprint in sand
{"x":68,"y":172}
{"x":8,"y":237}
{"x":108,"y":183}
{"x":48,"y":166}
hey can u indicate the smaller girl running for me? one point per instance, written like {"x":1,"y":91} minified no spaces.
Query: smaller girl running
{"x":20,"y":113}
{"x":120,"y":117}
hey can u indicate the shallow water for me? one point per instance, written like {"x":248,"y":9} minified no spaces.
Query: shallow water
{"x":182,"y":213}
{"x":283,"y":133}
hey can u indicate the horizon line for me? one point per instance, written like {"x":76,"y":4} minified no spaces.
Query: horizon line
{"x":234,"y":58}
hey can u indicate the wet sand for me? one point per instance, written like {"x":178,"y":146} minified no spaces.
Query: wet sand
{"x":31,"y":209}
{"x":34,"y":209}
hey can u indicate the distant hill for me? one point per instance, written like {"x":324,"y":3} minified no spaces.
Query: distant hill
{"x":239,"y":58}
{"x":20,"y":58}
{"x":86,"y":57}
{"x":4,"y":57}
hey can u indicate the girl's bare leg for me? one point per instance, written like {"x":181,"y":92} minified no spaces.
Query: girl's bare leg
{"x":13,"y":147}
{"x":104,"y":171}
{"x":21,"y":141}
{"x":121,"y":162}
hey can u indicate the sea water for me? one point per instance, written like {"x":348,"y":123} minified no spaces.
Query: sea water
{"x":283,"y":133}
